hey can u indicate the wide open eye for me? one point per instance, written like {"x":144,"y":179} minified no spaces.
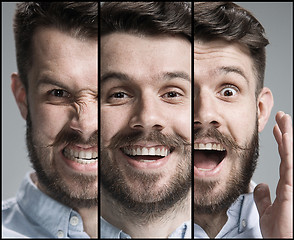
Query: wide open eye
{"x":229,"y":91}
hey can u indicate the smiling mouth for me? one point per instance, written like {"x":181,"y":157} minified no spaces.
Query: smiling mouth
{"x":146,"y":154}
{"x":208,"y":156}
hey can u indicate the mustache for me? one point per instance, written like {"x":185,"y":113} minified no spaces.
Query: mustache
{"x":213,"y":133}
{"x":73,"y":137}
{"x":67,"y":137}
{"x":122,"y":139}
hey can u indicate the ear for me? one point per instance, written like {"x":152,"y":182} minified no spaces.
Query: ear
{"x":20,"y":94}
{"x":265,"y":104}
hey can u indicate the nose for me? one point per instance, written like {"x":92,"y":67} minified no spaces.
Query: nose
{"x":147,"y":115}
{"x":85,"y":118}
{"x":206,"y":111}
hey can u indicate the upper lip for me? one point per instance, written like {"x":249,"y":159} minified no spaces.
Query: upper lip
{"x":146,"y":144}
{"x":82,"y":147}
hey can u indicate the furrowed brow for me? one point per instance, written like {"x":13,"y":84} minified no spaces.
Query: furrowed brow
{"x":46,"y":80}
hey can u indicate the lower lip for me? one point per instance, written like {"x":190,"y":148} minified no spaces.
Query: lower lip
{"x":209,"y":173}
{"x":78,"y":167}
{"x":146,"y":165}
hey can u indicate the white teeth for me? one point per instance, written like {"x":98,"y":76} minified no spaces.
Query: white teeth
{"x":145,"y":151}
{"x":83,"y":157}
{"x":204,"y":170}
{"x":153,"y":151}
{"x":209,"y":146}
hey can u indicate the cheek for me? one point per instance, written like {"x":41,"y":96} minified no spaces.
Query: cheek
{"x":181,"y":122}
{"x":242,"y":123}
{"x":112,"y":121}
{"x":48,"y":121}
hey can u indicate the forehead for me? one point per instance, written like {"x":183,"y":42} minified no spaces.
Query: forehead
{"x":59,"y":56}
{"x":51,"y":43}
{"x":142,"y":56}
{"x":212,"y":58}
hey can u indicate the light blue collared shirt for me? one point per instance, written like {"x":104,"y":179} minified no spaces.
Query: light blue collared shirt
{"x":33,"y":214}
{"x":109,"y":231}
{"x":243,"y":220}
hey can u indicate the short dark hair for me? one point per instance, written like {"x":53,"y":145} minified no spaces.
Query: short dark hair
{"x":232,"y":23}
{"x":79,"y":19}
{"x":147,"y":18}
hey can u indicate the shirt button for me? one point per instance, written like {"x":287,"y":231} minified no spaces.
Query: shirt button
{"x":244,"y":223}
{"x":74,"y":220}
{"x":60,"y":234}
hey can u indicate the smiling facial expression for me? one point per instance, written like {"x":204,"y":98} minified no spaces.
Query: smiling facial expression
{"x":225,"y":123}
{"x":145,"y":118}
{"x":62,"y":132}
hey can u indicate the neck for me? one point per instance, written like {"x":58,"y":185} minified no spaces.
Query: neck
{"x":211,"y":223}
{"x":152,"y":226}
{"x":90,"y":220}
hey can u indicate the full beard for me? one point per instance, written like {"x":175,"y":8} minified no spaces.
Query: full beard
{"x":138,"y":193}
{"x":82,"y":195}
{"x":208,"y":202}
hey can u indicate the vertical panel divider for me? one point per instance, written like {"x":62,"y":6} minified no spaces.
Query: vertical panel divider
{"x":192,"y":120}
{"x":99,"y":114}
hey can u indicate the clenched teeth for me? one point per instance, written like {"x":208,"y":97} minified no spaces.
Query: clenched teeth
{"x":209,"y":146}
{"x":82,"y":157}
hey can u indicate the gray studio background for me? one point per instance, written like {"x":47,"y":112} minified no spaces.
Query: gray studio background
{"x":275,"y":17}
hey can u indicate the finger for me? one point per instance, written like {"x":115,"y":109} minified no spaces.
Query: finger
{"x":284,"y":122}
{"x":262,"y":198}
{"x":277,"y":134}
{"x":287,"y":142}
{"x":279,"y":115}
{"x":286,"y":167}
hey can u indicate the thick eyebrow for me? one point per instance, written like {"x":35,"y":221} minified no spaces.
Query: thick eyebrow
{"x":164,"y":75}
{"x":171,"y":75}
{"x":49,"y":81}
{"x":234,"y":69}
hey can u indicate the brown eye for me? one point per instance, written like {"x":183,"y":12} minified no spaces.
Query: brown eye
{"x":119,"y":95}
{"x":228,"y":92}
{"x":171,"y":94}
{"x":59,"y":93}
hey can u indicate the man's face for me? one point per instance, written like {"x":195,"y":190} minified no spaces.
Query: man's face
{"x":62,"y":123}
{"x":225,"y":124}
{"x":145,"y":119}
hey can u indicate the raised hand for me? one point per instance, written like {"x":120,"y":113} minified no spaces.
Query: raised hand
{"x":276,"y":220}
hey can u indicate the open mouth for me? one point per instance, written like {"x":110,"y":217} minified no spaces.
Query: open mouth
{"x":146,"y":154}
{"x":82,"y":157}
{"x":208,"y":156}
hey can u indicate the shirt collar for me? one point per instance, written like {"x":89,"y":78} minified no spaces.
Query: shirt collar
{"x":48,"y":213}
{"x":242,"y":217}
{"x":109,"y":231}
